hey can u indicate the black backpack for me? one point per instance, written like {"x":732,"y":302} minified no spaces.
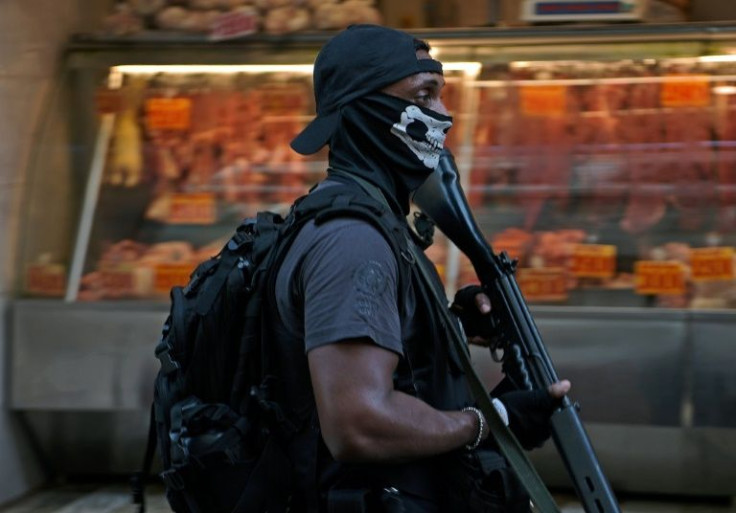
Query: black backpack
{"x":221,"y":433}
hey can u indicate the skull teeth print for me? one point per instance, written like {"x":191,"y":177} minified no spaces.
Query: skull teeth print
{"x":427,"y":149}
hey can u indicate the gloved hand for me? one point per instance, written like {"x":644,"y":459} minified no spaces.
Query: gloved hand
{"x":472,"y":306}
{"x":529,"y":412}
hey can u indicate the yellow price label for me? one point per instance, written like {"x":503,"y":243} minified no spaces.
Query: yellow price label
{"x":685,"y":91}
{"x":543,"y":284}
{"x":118,"y":280}
{"x":46,"y":279}
{"x":168,"y":113}
{"x":109,"y":101}
{"x":658,"y":277}
{"x":712,"y":264}
{"x":196,"y":208}
{"x":543,"y":100}
{"x":168,"y":275}
{"x":593,"y":261}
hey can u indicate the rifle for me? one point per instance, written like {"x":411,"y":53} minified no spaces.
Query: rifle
{"x":519,"y":346}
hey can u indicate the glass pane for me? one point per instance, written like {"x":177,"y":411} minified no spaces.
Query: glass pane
{"x":610,"y":181}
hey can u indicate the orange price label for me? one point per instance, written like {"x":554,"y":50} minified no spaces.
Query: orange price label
{"x":658,"y":277}
{"x":168,"y":113}
{"x":198,"y":208}
{"x":543,"y":100}
{"x":108,"y":101}
{"x":544,"y":284}
{"x":170,"y":275}
{"x":712,"y":264}
{"x":281,"y":100}
{"x":118,"y":281}
{"x":46,"y":280}
{"x":593,"y":261}
{"x":685,"y":91}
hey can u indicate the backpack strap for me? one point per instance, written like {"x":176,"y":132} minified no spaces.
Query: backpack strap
{"x":355,"y":198}
{"x":139,"y":480}
{"x":221,"y":268}
{"x":502,"y":435}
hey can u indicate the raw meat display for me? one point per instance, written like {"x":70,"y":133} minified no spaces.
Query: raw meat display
{"x":726,"y":163}
{"x":638,"y":155}
{"x":202,"y":151}
{"x":635,"y":156}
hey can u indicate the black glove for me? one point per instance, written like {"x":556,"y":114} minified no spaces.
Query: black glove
{"x":474,"y":322}
{"x":529,"y":412}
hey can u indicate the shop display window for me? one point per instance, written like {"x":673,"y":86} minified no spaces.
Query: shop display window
{"x":611,"y":180}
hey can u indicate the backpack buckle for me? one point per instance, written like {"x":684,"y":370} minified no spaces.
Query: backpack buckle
{"x":239,"y":240}
{"x":163,"y":353}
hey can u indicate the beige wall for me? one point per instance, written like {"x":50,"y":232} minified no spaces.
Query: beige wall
{"x":32,"y":36}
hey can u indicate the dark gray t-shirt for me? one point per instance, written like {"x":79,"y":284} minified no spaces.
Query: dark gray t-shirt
{"x":339,"y":281}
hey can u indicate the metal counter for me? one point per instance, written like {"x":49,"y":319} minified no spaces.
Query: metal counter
{"x":657,"y":388}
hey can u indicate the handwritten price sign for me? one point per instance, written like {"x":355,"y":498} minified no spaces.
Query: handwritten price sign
{"x":171,"y":275}
{"x":548,"y":100}
{"x":685,"y":91}
{"x":544,"y":284}
{"x":199,"y":208}
{"x":168,"y":113}
{"x":656,"y":277}
{"x":593,"y":261}
{"x":712,"y":264}
{"x":118,"y":281}
{"x":108,"y":101}
{"x":46,"y":280}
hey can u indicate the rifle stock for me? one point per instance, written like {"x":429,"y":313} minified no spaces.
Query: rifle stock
{"x":524,"y":355}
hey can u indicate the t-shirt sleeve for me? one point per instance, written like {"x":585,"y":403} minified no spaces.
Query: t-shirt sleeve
{"x":349,"y":286}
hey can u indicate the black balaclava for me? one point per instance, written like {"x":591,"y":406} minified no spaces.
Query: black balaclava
{"x":390,"y":142}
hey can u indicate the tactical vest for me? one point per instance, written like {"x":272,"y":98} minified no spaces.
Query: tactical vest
{"x":429,"y":370}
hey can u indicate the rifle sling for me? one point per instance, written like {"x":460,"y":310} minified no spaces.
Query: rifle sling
{"x":507,"y":442}
{"x":505,"y":439}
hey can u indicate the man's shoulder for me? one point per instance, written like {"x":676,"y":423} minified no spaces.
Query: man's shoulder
{"x":355,"y":230}
{"x":351,"y":221}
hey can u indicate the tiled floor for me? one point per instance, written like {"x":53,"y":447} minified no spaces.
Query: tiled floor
{"x":91,"y":498}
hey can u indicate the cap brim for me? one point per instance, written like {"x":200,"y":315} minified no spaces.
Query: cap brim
{"x":316,"y":134}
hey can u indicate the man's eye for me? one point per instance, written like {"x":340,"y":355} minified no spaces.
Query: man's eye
{"x":422,"y":98}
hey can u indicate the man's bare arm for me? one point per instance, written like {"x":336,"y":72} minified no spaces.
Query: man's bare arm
{"x":363,"y":418}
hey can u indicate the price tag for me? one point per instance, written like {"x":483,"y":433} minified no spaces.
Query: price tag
{"x":658,"y":277}
{"x":685,"y":91}
{"x":168,"y":113}
{"x":230,"y":25}
{"x":543,"y":100}
{"x":593,"y":261}
{"x":170,"y":275}
{"x":198,"y":208}
{"x":711,"y":264}
{"x":544,"y":284}
{"x":279,"y":101}
{"x":118,"y":281}
{"x":108,"y":101}
{"x":46,"y":280}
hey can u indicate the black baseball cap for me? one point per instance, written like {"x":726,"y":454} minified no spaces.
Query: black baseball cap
{"x":359,"y":60}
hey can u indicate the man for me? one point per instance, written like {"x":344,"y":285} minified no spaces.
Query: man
{"x":379,"y":382}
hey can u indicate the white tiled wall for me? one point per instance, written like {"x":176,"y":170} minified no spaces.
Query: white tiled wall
{"x":32,"y":37}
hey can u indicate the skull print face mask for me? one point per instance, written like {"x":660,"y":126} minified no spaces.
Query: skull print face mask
{"x":389,"y":141}
{"x":423,"y":133}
